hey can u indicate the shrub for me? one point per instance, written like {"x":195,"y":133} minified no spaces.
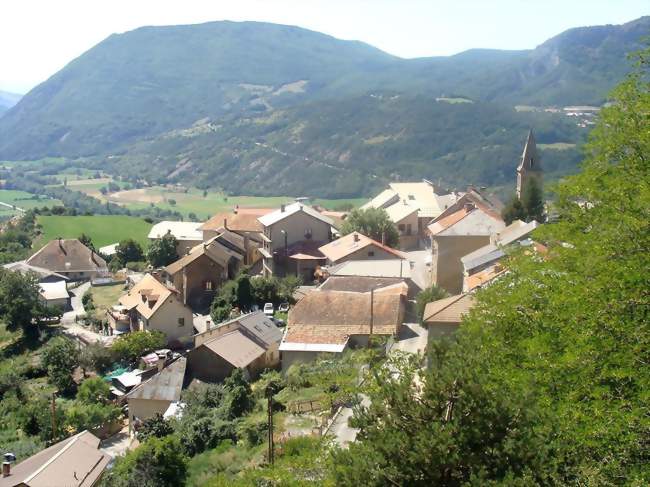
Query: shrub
{"x":132,"y":346}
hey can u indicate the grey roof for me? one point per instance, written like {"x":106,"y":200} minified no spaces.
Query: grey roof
{"x":373,"y":268}
{"x":475,"y":223}
{"x":260,"y":326}
{"x":514,"y":232}
{"x":281,"y":214}
{"x":75,"y":462}
{"x":235,"y":348}
{"x":165,"y":385}
{"x":42,"y":273}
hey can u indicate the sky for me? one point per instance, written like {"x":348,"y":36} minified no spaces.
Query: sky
{"x":39,"y":37}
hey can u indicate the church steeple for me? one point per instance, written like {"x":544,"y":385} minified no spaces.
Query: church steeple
{"x":529,"y":166}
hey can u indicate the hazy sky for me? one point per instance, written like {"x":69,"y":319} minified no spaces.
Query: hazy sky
{"x":38,"y":37}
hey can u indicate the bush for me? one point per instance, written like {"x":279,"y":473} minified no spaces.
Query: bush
{"x":154,"y":427}
{"x":254,"y":431}
{"x":60,"y":357}
{"x":132,"y":346}
{"x":97,"y":357}
{"x":297,"y":377}
{"x":94,"y":390}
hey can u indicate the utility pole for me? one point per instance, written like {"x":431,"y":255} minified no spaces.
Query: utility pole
{"x":53,"y":416}
{"x":372,"y":316}
{"x":271,"y":453}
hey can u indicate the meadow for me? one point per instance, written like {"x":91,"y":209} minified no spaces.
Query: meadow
{"x":22,"y":199}
{"x":103,"y":229}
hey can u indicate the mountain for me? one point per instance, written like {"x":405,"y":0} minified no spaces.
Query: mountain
{"x":136,"y":96}
{"x":7,"y":100}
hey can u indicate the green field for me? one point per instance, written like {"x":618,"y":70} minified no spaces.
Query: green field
{"x":103,"y":229}
{"x":23,"y":200}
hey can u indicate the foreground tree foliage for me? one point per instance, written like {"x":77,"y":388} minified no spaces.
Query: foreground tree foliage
{"x":373,"y":223}
{"x":547,"y":383}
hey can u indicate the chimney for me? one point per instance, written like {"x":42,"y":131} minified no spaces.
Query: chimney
{"x":281,"y":208}
{"x":61,"y":246}
{"x":235,"y":209}
{"x":225,"y":222}
{"x":6,"y":469}
{"x":383,"y":238}
{"x":356,"y":236}
{"x":469,"y":207}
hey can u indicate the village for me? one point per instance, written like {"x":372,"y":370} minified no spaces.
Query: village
{"x":330,"y":294}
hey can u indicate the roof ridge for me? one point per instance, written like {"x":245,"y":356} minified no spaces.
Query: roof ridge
{"x":55,"y":456}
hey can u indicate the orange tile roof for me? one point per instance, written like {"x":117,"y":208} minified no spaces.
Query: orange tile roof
{"x":483,"y":277}
{"x":333,"y":316}
{"x":240,"y":220}
{"x":344,"y":246}
{"x":448,"y":310}
{"x":152,"y":290}
{"x":446,"y":221}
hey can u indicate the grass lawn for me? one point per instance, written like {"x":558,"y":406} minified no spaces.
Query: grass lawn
{"x":103,"y":229}
{"x":104,"y":297}
{"x":556,"y":146}
{"x":23,"y":200}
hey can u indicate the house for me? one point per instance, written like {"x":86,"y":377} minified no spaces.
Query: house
{"x":69,"y":258}
{"x":530,"y":165}
{"x":151,"y":305}
{"x":454,"y":235}
{"x":292,"y":237}
{"x":53,"y":286}
{"x":443,"y":317}
{"x":243,"y":222}
{"x":489,"y":255}
{"x":393,"y":268}
{"x":249,"y":342}
{"x":328,"y":322}
{"x":187,"y":234}
{"x":74,"y":462}
{"x":410,"y":206}
{"x":158,"y":393}
{"x":198,"y":274}
{"x":109,"y":250}
{"x":356,"y":246}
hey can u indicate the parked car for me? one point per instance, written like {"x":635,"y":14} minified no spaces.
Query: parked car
{"x":283,"y":308}
{"x":268,"y":309}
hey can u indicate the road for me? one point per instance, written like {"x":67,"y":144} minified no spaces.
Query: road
{"x":13,"y":207}
{"x":421,"y":274}
{"x":70,"y":318}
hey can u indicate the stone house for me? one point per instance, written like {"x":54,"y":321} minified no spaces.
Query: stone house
{"x":327,"y":322}
{"x":443,"y":317}
{"x":357,"y":246}
{"x":156,"y":394}
{"x":456,"y":234}
{"x":69,"y":258}
{"x":198,"y":274}
{"x":249,"y":342}
{"x":187,"y":234}
{"x":151,"y":305}
{"x":292,"y":236}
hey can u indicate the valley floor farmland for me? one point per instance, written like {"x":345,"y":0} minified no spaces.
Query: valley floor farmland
{"x":21,"y":199}
{"x":103,"y":229}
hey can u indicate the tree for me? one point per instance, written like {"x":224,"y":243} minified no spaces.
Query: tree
{"x":80,"y":416}
{"x":94,"y":390}
{"x":373,"y":223}
{"x":132,"y":346}
{"x":532,"y":200}
{"x":162,"y":251}
{"x":20,"y":303}
{"x":240,"y":399}
{"x":428,"y":295}
{"x":87,"y":241}
{"x":514,"y":210}
{"x":457,"y":430}
{"x":60,"y":357}
{"x":158,"y":462}
{"x":154,"y":427}
{"x":97,"y":357}
{"x":129,"y":250}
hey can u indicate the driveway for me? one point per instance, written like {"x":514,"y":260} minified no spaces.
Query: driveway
{"x":70,"y":319}
{"x":412,"y":338}
{"x":118,"y":444}
{"x":77,"y":306}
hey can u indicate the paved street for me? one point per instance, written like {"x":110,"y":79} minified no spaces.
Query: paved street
{"x":421,"y":271}
{"x":70,"y":319}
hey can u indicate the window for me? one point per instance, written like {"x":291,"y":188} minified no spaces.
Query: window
{"x":371,"y":253}
{"x":411,"y":197}
{"x":408,"y":229}
{"x":181,"y":321}
{"x":308,"y":233}
{"x":208,"y":285}
{"x":400,"y":227}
